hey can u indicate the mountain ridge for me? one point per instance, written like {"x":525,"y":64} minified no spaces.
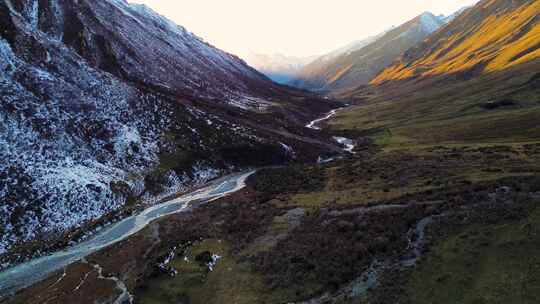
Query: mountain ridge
{"x":107,"y":104}
{"x":470,"y":43}
{"x":353,"y":69}
{"x":460,"y":84}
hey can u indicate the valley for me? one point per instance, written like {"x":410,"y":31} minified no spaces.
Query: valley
{"x":318,"y":219}
{"x":143,"y":165}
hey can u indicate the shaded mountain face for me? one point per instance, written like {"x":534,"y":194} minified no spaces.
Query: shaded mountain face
{"x":105,"y":103}
{"x":493,"y":36}
{"x":354,"y":68}
{"x":278,"y":67}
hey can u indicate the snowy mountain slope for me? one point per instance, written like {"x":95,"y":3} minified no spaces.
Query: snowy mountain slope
{"x":175,"y":60}
{"x":430,"y":23}
{"x":103,"y":104}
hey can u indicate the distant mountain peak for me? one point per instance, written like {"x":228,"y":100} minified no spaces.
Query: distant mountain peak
{"x":278,"y":67}
{"x":355,"y":66}
{"x":429,"y":22}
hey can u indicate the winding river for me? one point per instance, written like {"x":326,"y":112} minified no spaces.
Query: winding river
{"x":34,"y":271}
{"x":348,"y":144}
{"x":31,"y":272}
{"x":315,"y":124}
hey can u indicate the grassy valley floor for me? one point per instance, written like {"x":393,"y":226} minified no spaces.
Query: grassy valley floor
{"x":492,"y":263}
{"x":340,"y":233}
{"x":435,"y":207}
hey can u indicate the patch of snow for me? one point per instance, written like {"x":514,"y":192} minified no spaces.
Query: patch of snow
{"x":34,"y":14}
{"x":75,"y":193}
{"x":203,"y":173}
{"x":7,"y":58}
{"x":429,"y":22}
{"x":453,"y":16}
{"x":212,"y":264}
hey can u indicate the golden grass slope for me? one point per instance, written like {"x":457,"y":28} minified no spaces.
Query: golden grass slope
{"x":492,"y":36}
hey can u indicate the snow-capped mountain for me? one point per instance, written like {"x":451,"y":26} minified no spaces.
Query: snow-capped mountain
{"x":278,"y":67}
{"x":354,"y":68}
{"x":430,"y":23}
{"x":105,"y":103}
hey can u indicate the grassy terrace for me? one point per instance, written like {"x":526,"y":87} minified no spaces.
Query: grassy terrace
{"x":295,"y":254}
{"x":389,"y":175}
{"x":228,"y":282}
{"x":493,"y":108}
{"x":434,"y":136}
{"x":496,"y":263}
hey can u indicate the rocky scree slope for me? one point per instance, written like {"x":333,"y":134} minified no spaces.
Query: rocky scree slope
{"x":105,"y":103}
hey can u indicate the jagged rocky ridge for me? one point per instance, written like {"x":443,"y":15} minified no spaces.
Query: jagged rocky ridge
{"x":104,"y":102}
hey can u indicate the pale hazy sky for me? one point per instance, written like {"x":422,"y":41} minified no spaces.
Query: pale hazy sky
{"x":293,"y":27}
